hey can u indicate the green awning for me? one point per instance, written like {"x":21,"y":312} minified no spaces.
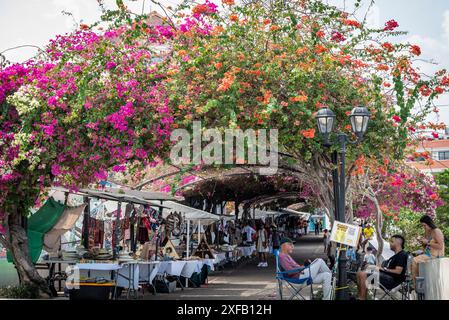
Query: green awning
{"x":39,"y":224}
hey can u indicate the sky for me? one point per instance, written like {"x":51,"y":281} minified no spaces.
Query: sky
{"x":34,"y":22}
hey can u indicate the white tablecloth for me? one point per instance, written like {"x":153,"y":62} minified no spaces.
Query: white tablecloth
{"x":219,"y":257}
{"x":95,"y":270}
{"x":210,"y":263}
{"x":247,"y":251}
{"x":97,"y":266}
{"x":148,"y":270}
{"x":191,"y":267}
{"x":128,"y":275}
{"x":173,"y":268}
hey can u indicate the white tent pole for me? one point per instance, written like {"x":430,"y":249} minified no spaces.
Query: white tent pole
{"x":188,"y":238}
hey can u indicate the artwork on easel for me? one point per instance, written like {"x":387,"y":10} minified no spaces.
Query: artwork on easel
{"x":203,"y":250}
{"x":169,"y":250}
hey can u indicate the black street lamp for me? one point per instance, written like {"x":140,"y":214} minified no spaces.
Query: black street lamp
{"x":326,"y":122}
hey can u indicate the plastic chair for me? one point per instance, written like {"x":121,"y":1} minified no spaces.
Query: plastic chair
{"x":295,"y":285}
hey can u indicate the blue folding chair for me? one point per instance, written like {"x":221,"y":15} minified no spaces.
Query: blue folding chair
{"x":295,"y":285}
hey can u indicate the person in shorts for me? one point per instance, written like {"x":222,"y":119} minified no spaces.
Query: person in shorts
{"x":391,"y":274}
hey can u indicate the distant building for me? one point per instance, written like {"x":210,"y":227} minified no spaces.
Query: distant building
{"x":437,"y":158}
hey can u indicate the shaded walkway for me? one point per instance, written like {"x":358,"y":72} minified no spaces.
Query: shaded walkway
{"x":247,"y":281}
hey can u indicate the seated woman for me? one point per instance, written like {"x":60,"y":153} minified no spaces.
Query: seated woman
{"x":320,"y":272}
{"x":433,"y":244}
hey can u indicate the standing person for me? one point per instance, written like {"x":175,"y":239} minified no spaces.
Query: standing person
{"x":368,"y":233}
{"x":433,"y":244}
{"x":317,"y":227}
{"x":326,"y":240}
{"x":247,"y":233}
{"x":305,"y":225}
{"x":275,"y":239}
{"x":299,"y":228}
{"x":262,"y":245}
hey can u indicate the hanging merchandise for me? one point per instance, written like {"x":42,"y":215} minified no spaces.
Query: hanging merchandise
{"x":173,"y":224}
{"x":142,"y":231}
{"x":96,"y":232}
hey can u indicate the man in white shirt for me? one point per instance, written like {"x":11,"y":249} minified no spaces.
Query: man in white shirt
{"x":248,"y":231}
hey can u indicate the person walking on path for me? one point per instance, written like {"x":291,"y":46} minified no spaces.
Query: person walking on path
{"x":317,"y":227}
{"x":262,"y":245}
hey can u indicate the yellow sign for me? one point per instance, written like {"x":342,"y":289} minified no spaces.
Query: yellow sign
{"x":344,"y":233}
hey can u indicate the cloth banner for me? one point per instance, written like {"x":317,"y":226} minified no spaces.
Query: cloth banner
{"x":52,"y":239}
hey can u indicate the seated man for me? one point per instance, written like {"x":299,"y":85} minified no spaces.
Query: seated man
{"x":320,"y":272}
{"x":393,"y":274}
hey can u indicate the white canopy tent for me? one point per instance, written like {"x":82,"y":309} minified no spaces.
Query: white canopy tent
{"x":304,"y":215}
{"x":189,"y":213}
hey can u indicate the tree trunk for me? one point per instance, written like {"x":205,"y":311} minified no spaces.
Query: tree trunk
{"x":18,"y":247}
{"x":378,"y":225}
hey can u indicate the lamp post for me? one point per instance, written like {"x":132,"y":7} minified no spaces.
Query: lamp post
{"x":359,"y":118}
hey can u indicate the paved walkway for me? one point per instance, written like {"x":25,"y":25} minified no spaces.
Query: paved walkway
{"x":247,"y":281}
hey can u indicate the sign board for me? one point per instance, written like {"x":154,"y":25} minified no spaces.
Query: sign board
{"x":347,"y":234}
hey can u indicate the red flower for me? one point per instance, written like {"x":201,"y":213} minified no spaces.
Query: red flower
{"x":435,"y":135}
{"x":337,"y":36}
{"x":434,"y":196}
{"x":391,"y":25}
{"x":397,"y":118}
{"x":425,"y":91}
{"x":320,"y":33}
{"x":388,"y":46}
{"x":439,"y":90}
{"x":416,"y":50}
{"x":351,"y":23}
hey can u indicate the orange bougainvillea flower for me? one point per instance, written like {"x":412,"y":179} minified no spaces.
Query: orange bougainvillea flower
{"x":234,"y":17}
{"x":382,"y":67}
{"x":267,"y":21}
{"x":218,"y":29}
{"x":351,"y":23}
{"x":84,"y":26}
{"x":300,"y":51}
{"x":308,"y":134}
{"x":274,"y":27}
{"x":388,"y":46}
{"x":266,"y":97}
{"x":182,"y":52}
{"x":320,"y":34}
{"x":320,"y":48}
{"x":218,"y":65}
{"x":228,"y":2}
{"x":226,"y":82}
{"x":301,"y":98}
